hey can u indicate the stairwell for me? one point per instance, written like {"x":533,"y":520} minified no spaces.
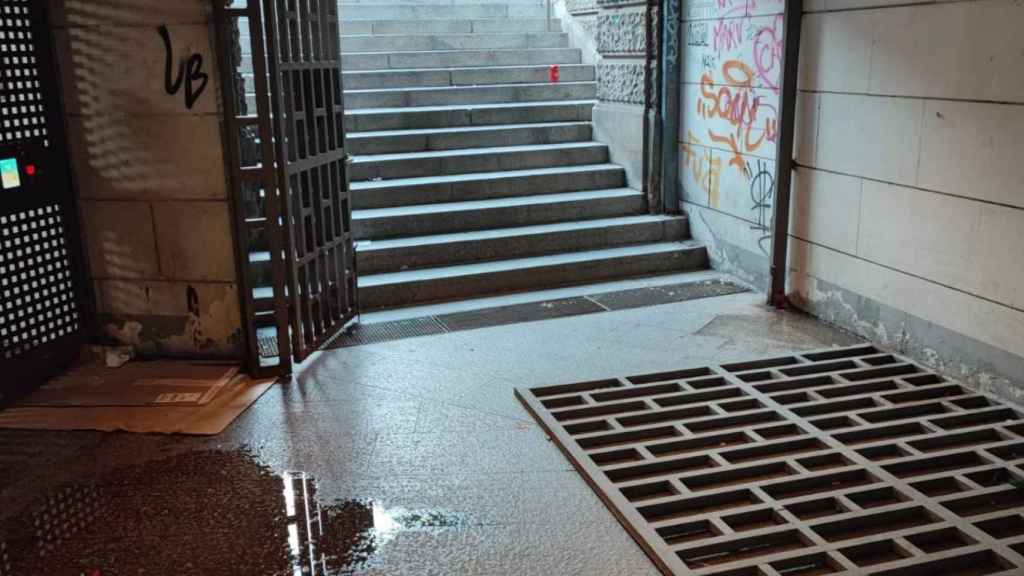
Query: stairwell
{"x":473,"y":174}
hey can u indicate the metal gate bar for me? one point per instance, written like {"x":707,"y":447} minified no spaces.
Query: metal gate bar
{"x":308,"y":109}
{"x":842,"y":461}
{"x":289,"y":173}
{"x":250,"y":152}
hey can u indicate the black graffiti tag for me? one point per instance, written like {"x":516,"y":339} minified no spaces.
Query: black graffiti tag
{"x":762,"y":189}
{"x":190,"y":70}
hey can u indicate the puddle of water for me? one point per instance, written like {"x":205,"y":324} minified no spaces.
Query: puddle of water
{"x":209,"y":513}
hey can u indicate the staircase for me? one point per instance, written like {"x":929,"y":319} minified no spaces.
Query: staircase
{"x":473,"y":174}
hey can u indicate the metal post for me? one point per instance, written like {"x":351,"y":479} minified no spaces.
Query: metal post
{"x":784,"y":162}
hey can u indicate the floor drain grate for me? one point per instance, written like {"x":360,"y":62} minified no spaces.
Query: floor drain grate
{"x":361,"y":334}
{"x":848,"y":460}
{"x":534,"y":312}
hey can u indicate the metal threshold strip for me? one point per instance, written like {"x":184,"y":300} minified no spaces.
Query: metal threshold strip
{"x":842,"y":461}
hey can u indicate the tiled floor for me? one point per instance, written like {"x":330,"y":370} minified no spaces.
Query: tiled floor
{"x":431,"y":424}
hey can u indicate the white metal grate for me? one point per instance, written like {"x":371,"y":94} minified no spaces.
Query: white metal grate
{"x":843,"y":461}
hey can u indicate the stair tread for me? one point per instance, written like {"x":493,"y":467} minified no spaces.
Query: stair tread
{"x":494,"y":105}
{"x":460,"y":129}
{"x":471,"y":205}
{"x":384,"y":71}
{"x":479,"y":176}
{"x":463,"y":88}
{"x":522,"y":263}
{"x":410,"y":241}
{"x":451,"y":34}
{"x":473,"y":151}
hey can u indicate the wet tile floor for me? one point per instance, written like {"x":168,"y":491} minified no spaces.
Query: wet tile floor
{"x":407,"y":457}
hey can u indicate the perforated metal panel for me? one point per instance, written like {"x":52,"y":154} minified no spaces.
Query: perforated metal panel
{"x":22,"y":106}
{"x":37,"y":304}
{"x":843,"y":461}
{"x":41,"y":277}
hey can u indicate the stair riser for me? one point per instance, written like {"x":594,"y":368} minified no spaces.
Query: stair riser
{"x":412,"y":119}
{"x":355,"y":44}
{"x":486,"y":26}
{"x":476,"y":95}
{"x":427,"y":12}
{"x":464,"y":77}
{"x":503,"y":217}
{"x":488,"y":189}
{"x":455,"y":59}
{"x":383,"y":296}
{"x":539,"y":134}
{"x":475,"y":163}
{"x":374,"y":261}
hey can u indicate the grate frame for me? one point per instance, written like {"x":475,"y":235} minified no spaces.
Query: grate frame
{"x":839,"y":461}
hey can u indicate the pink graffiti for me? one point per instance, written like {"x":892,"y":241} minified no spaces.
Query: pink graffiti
{"x":732,"y":8}
{"x":727,"y":35}
{"x":768,"y":53}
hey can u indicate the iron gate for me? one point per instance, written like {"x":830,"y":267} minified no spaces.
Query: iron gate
{"x":282,"y":59}
{"x":43,"y":292}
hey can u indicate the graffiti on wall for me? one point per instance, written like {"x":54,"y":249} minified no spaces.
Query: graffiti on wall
{"x":762,"y":190}
{"x":749,"y":119}
{"x":190,"y":71}
{"x":732,"y":70}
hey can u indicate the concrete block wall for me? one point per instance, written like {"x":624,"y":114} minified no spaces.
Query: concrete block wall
{"x":612,"y":36}
{"x":908,"y":210}
{"x":729,"y":100}
{"x":151,"y":174}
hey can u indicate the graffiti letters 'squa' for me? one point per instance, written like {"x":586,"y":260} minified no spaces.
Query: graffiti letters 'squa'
{"x":190,"y":71}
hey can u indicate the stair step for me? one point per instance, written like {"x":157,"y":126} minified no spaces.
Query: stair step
{"x":533,"y":273}
{"x":382,"y":11}
{"x":420,"y":42}
{"x":447,"y":162}
{"x":399,"y":254}
{"x":485,"y":185}
{"x":344,"y":4}
{"x":418,"y":140}
{"x":451,"y":95}
{"x":428,"y":219}
{"x":449,"y":26}
{"x":440,"y":77}
{"x":368,"y":119}
{"x":456,"y":59}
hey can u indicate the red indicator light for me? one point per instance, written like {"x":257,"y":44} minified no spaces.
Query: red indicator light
{"x":30,"y":169}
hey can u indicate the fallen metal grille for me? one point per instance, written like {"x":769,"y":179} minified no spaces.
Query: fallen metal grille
{"x":849,"y":460}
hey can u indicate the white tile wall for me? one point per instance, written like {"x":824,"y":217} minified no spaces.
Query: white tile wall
{"x":974,"y":149}
{"x":974,"y":317}
{"x":870,"y":136}
{"x":835,"y":51}
{"x":962,"y":50}
{"x":825,"y":208}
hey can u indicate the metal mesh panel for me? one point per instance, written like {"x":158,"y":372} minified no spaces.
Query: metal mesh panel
{"x":22,"y":107}
{"x":842,"y":461}
{"x":40,"y":276}
{"x":37,"y":304}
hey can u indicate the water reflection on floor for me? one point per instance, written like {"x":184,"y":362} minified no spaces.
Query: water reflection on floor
{"x":209,"y":512}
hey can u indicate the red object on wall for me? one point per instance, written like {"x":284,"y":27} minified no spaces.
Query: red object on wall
{"x":553,"y":73}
